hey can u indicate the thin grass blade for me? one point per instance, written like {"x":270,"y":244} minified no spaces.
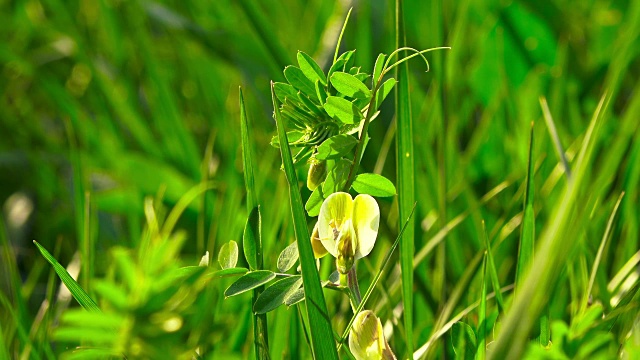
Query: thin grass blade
{"x":323,"y":346}
{"x":405,"y":178}
{"x":252,"y":240}
{"x":76,"y":290}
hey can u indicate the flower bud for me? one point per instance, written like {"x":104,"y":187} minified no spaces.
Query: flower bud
{"x":317,"y":172}
{"x":366,"y":340}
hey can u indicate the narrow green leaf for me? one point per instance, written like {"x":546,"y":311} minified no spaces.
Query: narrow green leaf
{"x":321,"y":92}
{"x":493,"y":272}
{"x":463,"y":340}
{"x":336,"y":177}
{"x":310,"y":68}
{"x":228,"y":255}
{"x":384,"y":90}
{"x":288,"y":257}
{"x":250,"y":238}
{"x":374,"y":185}
{"x":296,"y":77}
{"x":482,"y":312}
{"x":377,"y":69}
{"x":344,"y":26}
{"x":343,"y":110}
{"x":596,"y":262}
{"x":323,"y":345}
{"x":274,"y":295}
{"x":294,"y":297}
{"x":336,"y":146}
{"x":78,"y":292}
{"x":314,"y":202}
{"x":343,"y":62}
{"x":349,"y":85}
{"x":284,"y":91}
{"x":405,"y":175}
{"x":527,"y":234}
{"x":249,"y":281}
{"x":315,"y":110}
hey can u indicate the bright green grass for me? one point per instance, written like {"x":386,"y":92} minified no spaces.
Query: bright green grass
{"x":123,"y":141}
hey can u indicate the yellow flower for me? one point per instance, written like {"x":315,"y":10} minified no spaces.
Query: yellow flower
{"x":348,"y":227}
{"x":366,"y":340}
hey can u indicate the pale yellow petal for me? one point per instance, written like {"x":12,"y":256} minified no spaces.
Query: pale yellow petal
{"x":366,"y":220}
{"x":335,"y":210}
{"x":318,"y":249}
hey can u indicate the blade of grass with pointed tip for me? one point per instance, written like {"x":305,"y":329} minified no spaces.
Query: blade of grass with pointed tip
{"x":527,"y":240}
{"x":482,"y":312}
{"x":554,"y":246}
{"x":596,"y":262}
{"x":493,"y":272}
{"x":548,"y":119}
{"x":405,"y":178}
{"x":76,"y":290}
{"x":260,"y":326}
{"x":323,"y":346}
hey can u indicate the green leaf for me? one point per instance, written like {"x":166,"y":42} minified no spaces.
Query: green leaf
{"x":315,"y":110}
{"x":251,"y":237}
{"x":310,"y":68}
{"x":294,"y":297}
{"x":284,"y":91}
{"x":344,"y":61}
{"x":373,"y":184}
{"x":463,"y":340}
{"x":322,"y":344}
{"x":78,"y":292}
{"x":288,"y":257}
{"x":336,"y":146}
{"x":321,"y":92}
{"x":274,"y":295}
{"x":482,"y":312}
{"x":350,"y":86}
{"x":384,"y":90}
{"x":293,"y":136}
{"x":377,"y":68}
{"x":249,"y":281}
{"x":337,"y":177}
{"x":314,"y":202}
{"x":228,"y":255}
{"x":296,"y":77}
{"x":343,"y":110}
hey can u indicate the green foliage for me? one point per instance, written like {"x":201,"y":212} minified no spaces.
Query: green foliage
{"x":124,"y":153}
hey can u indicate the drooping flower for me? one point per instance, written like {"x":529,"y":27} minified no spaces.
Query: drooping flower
{"x":366,"y":339}
{"x":348,"y":227}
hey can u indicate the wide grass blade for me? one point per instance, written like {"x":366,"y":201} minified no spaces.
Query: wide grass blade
{"x":252,"y":242}
{"x":323,"y":346}
{"x":405,"y":178}
{"x":76,"y":290}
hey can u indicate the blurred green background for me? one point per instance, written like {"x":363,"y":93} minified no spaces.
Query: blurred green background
{"x":106,"y":102}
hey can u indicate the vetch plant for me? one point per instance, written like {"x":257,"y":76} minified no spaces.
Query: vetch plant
{"x":324,"y":118}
